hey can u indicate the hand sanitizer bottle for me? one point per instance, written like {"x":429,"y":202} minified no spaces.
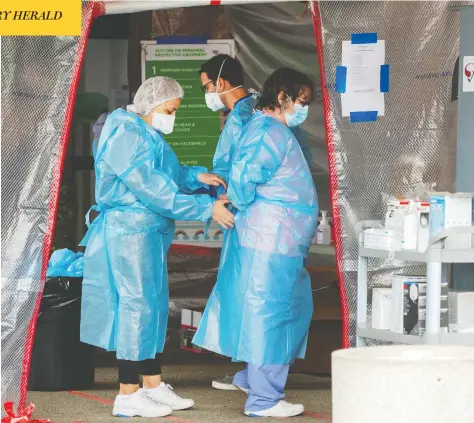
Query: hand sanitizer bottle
{"x":323,"y":234}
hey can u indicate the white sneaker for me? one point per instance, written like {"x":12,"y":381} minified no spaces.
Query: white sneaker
{"x":164,"y":394}
{"x":225,"y":384}
{"x":139,"y":405}
{"x":282,"y":409}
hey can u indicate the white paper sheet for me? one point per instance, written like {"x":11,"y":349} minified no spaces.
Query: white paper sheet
{"x":363,"y":63}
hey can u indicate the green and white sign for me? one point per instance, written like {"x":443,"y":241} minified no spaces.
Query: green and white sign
{"x":197,"y":129}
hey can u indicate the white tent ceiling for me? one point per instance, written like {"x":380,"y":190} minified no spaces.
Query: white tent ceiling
{"x":131,"y":6}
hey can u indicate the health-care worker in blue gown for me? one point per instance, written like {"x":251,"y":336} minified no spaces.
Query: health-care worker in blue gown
{"x":140,"y":191}
{"x":222,"y":83}
{"x":260,"y":309}
{"x":222,"y":80}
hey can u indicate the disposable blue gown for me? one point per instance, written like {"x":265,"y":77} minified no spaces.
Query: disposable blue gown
{"x":260,"y":309}
{"x":236,"y":120}
{"x":230,"y":134}
{"x":125,"y":288}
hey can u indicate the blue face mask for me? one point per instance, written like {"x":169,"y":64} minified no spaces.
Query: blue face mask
{"x":298,"y":117}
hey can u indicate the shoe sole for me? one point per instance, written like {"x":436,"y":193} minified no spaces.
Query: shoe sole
{"x":250,"y":414}
{"x":125,"y":415}
{"x":224,"y":386}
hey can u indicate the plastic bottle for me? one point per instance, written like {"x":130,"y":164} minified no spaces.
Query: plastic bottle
{"x":323,"y":234}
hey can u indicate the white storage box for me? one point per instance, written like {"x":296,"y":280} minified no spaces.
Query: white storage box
{"x":381,"y":308}
{"x":461,"y":308}
{"x":380,"y":239}
{"x":448,"y":211}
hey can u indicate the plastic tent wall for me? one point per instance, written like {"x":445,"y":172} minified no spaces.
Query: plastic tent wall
{"x":414,"y":142}
{"x":39,"y":81}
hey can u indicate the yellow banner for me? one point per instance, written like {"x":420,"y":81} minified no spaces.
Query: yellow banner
{"x":40,"y":17}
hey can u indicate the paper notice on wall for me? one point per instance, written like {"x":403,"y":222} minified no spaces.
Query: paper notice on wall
{"x":468,"y":74}
{"x":363,"y":63}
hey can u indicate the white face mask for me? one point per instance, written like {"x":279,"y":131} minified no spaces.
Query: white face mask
{"x":163,"y":123}
{"x":213,"y":100}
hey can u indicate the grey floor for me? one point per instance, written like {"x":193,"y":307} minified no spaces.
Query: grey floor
{"x":189,"y":381}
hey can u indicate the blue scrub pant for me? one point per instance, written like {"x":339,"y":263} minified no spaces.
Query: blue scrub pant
{"x":266,"y":385}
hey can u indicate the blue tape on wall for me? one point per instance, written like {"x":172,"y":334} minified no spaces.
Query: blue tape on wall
{"x":384,"y":78}
{"x":364,"y":38}
{"x":363,"y":116}
{"x":341,"y":76}
{"x":178,"y":39}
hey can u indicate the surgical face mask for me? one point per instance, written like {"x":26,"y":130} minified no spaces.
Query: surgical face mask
{"x":213,"y":100}
{"x":163,"y":123}
{"x":297,"y":117}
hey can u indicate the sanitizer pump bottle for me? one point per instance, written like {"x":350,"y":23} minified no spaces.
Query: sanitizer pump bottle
{"x":323,"y":234}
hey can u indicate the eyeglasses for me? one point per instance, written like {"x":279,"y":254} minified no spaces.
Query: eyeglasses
{"x":204,"y":87}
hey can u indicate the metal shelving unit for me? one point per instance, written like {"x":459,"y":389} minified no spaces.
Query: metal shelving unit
{"x":434,"y":258}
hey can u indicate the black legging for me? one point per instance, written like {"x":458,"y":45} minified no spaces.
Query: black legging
{"x":130,"y":371}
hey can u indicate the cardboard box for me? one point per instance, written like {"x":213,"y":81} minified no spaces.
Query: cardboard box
{"x":381,"y":308}
{"x":451,"y":210}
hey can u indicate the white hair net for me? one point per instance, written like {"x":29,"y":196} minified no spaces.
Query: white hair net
{"x":153,"y":92}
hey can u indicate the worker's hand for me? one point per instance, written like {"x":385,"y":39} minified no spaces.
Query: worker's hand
{"x":224,"y":197}
{"x":211,"y":179}
{"x":221,"y":215}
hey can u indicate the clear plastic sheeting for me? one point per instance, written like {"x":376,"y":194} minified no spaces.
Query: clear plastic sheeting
{"x":414,"y":142}
{"x":39,"y":76}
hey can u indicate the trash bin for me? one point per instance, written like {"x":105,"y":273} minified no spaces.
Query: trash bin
{"x":60,"y":361}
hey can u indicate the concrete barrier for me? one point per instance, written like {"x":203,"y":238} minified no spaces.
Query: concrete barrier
{"x":403,"y":384}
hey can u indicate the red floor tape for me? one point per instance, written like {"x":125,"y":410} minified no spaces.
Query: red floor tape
{"x":319,"y":416}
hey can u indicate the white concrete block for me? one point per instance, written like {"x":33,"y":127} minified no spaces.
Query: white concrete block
{"x":409,"y":384}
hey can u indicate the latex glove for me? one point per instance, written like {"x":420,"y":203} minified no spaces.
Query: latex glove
{"x":221,"y":215}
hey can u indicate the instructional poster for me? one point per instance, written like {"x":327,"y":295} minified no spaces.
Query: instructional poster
{"x":197,"y":129}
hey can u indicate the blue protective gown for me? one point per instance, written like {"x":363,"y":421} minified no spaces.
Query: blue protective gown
{"x":125,"y":288}
{"x":260,"y":309}
{"x":237,"y":118}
